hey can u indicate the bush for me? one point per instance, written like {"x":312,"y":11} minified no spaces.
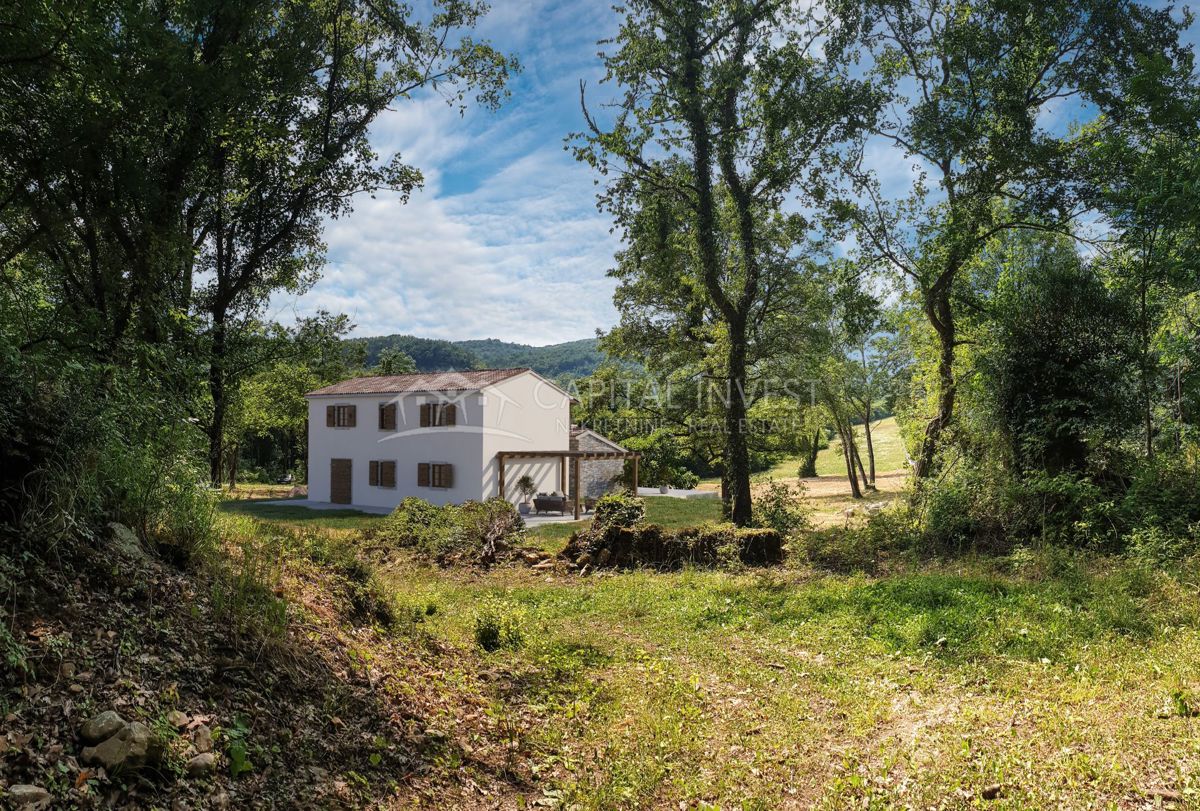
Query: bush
{"x":861,"y":547}
{"x":1164,"y":496}
{"x":499,"y":624}
{"x":618,"y":510}
{"x":990,"y":510}
{"x":777,"y":508}
{"x":87,"y":444}
{"x":475,"y":529}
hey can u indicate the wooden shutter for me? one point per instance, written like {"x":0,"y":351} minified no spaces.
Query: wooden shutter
{"x":447,"y":475}
{"x":373,"y":474}
{"x":330,"y":416}
{"x":351,"y":416}
{"x":425,"y":409}
{"x":423,"y":474}
{"x":387,"y":416}
{"x":451,"y":414}
{"x":387,"y":474}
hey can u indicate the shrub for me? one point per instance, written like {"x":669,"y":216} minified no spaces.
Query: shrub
{"x":478,"y":529}
{"x":1164,"y":500}
{"x":499,"y":624}
{"x":991,"y":510}
{"x":861,"y":547}
{"x":777,"y":508}
{"x":618,"y":510}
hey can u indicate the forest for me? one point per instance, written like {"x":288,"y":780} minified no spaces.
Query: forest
{"x":912,"y":286}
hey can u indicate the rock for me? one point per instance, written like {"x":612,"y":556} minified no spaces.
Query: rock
{"x":125,"y":541}
{"x":545,"y":564}
{"x":202,"y":765}
{"x":101,"y":727}
{"x":27,"y":797}
{"x":202,"y":739}
{"x":132,"y":747}
{"x":991,"y":792}
{"x":177,"y":719}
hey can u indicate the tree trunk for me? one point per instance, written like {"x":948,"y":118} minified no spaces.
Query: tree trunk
{"x":847,"y":454}
{"x":737,"y":452}
{"x":870,"y":446}
{"x":808,"y":468}
{"x":937,"y":308}
{"x":216,"y":390}
{"x":858,"y":463}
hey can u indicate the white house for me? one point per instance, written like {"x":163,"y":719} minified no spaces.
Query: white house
{"x":446,"y":437}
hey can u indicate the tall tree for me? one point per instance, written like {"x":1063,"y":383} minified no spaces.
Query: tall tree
{"x":973,"y":88}
{"x":290,"y":147}
{"x":726,"y":106}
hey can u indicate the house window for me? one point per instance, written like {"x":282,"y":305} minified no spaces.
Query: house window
{"x":382,"y":473}
{"x":341,"y":416}
{"x":387,"y":416}
{"x":438,"y":414}
{"x":435,"y":474}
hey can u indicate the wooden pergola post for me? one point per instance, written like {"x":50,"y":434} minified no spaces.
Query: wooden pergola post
{"x":500,"y":461}
{"x":562,"y":475}
{"x":578,"y":482}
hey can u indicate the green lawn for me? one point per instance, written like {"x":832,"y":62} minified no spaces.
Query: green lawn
{"x":301,"y":516}
{"x":1042,"y":680}
{"x":796,"y":689}
{"x":889,"y":454}
{"x":669,"y":512}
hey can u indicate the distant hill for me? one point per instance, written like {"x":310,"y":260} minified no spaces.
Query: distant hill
{"x":574,"y":358}
{"x":570,"y":359}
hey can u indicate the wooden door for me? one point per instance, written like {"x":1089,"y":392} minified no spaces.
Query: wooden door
{"x":339,"y":481}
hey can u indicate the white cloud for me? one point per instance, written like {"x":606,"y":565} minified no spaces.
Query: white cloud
{"x":521,"y":255}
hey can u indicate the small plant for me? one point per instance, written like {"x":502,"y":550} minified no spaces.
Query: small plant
{"x":236,"y":748}
{"x":498,"y":624}
{"x":526,"y":487}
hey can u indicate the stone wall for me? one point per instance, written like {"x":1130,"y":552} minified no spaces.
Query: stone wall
{"x":600,"y":476}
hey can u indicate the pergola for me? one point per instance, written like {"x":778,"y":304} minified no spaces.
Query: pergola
{"x":576,"y":457}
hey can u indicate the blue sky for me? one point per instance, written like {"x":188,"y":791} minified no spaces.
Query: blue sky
{"x":504,"y":240}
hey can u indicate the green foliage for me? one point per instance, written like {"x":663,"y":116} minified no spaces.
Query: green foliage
{"x":618,"y":510}
{"x":526,"y":487}
{"x":474,"y":528}
{"x":572,"y":359}
{"x":862,"y":547}
{"x":89,"y":443}
{"x":394,"y":362}
{"x":237,"y":748}
{"x":1056,"y":358}
{"x":499,"y":624}
{"x":777,"y":507}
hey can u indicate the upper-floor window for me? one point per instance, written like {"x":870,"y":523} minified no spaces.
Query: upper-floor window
{"x":387,"y":416}
{"x":438,"y":414}
{"x":341,"y":416}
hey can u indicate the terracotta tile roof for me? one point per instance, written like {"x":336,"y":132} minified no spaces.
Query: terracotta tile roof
{"x":422,"y":381}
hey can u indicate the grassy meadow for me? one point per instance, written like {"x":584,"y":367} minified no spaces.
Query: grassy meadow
{"x":1042,"y":679}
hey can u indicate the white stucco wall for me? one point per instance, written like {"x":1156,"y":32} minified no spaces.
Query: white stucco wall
{"x":521,"y":413}
{"x":408,"y":445}
{"x":524,"y":413}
